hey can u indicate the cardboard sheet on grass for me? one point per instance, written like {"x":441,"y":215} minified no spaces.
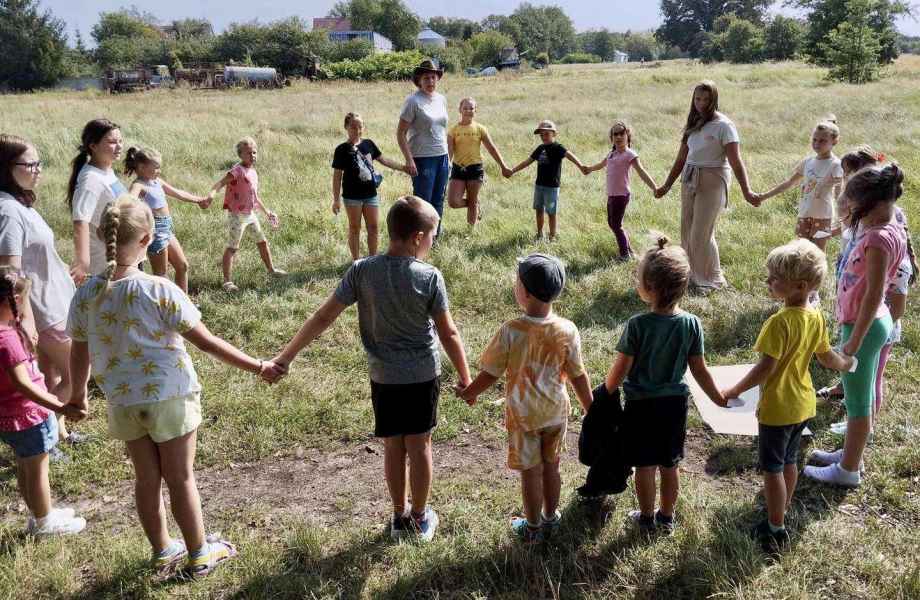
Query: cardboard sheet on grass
{"x":739,"y":420}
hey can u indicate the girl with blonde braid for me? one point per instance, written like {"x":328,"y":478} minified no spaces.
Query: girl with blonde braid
{"x":132,"y":325}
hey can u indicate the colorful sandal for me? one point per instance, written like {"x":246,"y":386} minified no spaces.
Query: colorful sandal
{"x":219,"y":550}
{"x":168,"y":561}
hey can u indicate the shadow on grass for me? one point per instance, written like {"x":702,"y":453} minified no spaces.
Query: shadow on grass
{"x":508,"y":247}
{"x":609,"y":309}
{"x":735,"y":330}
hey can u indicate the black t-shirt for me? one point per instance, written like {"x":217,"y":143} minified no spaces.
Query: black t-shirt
{"x":549,"y":163}
{"x":346,"y":158}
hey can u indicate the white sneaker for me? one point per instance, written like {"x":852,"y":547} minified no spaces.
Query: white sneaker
{"x":834,"y":474}
{"x":821,"y":457}
{"x":58,"y":524}
{"x":839,"y":428}
{"x":61,"y":513}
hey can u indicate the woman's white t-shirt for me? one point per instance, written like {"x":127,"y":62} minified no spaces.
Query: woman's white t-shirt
{"x":707,"y":144}
{"x":24,"y":233}
{"x":95,"y":190}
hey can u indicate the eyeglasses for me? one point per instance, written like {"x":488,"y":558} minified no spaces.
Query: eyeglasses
{"x":34,"y":167}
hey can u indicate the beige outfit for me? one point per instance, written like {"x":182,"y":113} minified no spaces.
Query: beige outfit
{"x":704,"y":194}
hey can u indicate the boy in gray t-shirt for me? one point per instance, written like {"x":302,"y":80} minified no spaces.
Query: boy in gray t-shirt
{"x":402,"y":306}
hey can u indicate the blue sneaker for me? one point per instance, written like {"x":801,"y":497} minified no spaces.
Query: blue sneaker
{"x":526,"y":532}
{"x":552,"y":524}
{"x":425,"y":524}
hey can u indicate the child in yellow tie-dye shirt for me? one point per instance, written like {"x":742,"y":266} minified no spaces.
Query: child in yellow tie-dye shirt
{"x":537,"y":352}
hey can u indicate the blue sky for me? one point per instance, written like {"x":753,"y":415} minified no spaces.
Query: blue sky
{"x":617,"y":15}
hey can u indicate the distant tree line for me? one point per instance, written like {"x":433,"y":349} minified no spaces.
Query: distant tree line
{"x":852,"y":37}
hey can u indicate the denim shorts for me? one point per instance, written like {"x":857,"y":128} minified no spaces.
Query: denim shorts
{"x":38,"y":439}
{"x":372,"y":201}
{"x":468,"y":173}
{"x":162,"y":233}
{"x":545,"y":199}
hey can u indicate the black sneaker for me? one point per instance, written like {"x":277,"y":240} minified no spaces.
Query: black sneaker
{"x":772,"y":542}
{"x":645,"y":523}
{"x":665,"y":524}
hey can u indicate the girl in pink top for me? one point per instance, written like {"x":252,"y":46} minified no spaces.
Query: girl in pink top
{"x":27,"y":424}
{"x":241,"y":201}
{"x":865,"y":320}
{"x":618,"y":163}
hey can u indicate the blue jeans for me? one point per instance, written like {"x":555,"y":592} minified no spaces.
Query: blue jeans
{"x":431,"y":181}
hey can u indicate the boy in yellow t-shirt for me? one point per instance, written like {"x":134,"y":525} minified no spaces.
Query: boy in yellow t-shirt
{"x":467,"y":174}
{"x":786,"y":344}
{"x":537,"y":352}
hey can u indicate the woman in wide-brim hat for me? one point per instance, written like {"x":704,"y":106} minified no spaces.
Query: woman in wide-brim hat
{"x":422,"y":136}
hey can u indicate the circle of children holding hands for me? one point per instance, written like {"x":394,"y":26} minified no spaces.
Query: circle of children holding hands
{"x":130,"y":328}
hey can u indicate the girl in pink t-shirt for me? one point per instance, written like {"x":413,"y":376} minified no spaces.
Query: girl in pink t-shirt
{"x":618,"y":163}
{"x":865,"y":320}
{"x":27,"y":424}
{"x":241,"y":201}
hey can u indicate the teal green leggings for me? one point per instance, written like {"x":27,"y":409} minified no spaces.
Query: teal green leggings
{"x":859,"y":387}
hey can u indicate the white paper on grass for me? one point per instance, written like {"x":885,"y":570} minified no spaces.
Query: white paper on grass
{"x":740,"y":420}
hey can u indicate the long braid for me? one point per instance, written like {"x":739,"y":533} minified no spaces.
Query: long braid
{"x":8,"y":283}
{"x":111,"y":219}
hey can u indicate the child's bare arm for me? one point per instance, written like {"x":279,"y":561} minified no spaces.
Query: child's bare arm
{"x":595,"y":167}
{"x":312,"y":328}
{"x":390,"y":163}
{"x":22,"y":383}
{"x":450,"y":147}
{"x":79,"y":374}
{"x":582,"y":387}
{"x":453,"y":345}
{"x":483,"y":381}
{"x":181,"y":194}
{"x":337,"y":190}
{"x":793,"y":179}
{"x":522,"y":165}
{"x":204,"y":340}
{"x":618,"y":371}
{"x":226,"y":180}
{"x":643,"y":174}
{"x":574,"y":159}
{"x":835,"y":360}
{"x":137,"y":190}
{"x":493,"y":150}
{"x":756,"y":376}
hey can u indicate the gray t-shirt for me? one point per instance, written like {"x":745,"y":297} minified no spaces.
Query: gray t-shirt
{"x":427,"y":116}
{"x":396,"y":296}
{"x":24,"y":233}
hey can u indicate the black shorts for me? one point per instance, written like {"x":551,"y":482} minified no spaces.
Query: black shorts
{"x":655,"y":431}
{"x":779,"y":445}
{"x":468,"y":173}
{"x":405,"y":409}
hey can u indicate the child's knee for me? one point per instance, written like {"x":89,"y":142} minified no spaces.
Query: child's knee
{"x":372,"y":229}
{"x":179,"y":478}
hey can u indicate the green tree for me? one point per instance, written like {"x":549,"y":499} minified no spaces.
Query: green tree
{"x":783,"y":38}
{"x":486,"y":47}
{"x":743,"y":42}
{"x":825,"y":15}
{"x":193,"y":28}
{"x":853,"y":47}
{"x":390,"y":18}
{"x":543,"y":29}
{"x":33,"y":45}
{"x":124,"y":24}
{"x":685,"y":21}
{"x":601,"y":43}
{"x":641,"y":46}
{"x":458,"y":29}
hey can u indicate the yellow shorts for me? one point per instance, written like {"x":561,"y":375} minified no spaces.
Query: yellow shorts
{"x":162,"y":421}
{"x":527,"y":449}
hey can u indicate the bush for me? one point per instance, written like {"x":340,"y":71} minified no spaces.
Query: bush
{"x":356,"y":49}
{"x":541,"y":59}
{"x":580,"y":57}
{"x":486,"y":48}
{"x":453,"y":59}
{"x":390,"y":66}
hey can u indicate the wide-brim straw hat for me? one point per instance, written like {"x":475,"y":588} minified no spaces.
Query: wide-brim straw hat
{"x":426,"y":66}
{"x":545,"y":126}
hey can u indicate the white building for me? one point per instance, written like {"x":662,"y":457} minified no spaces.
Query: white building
{"x":620,"y":57}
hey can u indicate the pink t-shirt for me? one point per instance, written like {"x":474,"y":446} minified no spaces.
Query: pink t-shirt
{"x":851,"y":287}
{"x":240,"y":196}
{"x":618,"y":171}
{"x":17,"y":412}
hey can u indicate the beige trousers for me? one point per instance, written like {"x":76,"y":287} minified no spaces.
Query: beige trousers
{"x":703,"y":196}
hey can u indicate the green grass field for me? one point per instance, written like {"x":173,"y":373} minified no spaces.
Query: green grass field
{"x":290,"y":472}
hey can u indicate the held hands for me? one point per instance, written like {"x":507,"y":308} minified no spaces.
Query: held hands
{"x":585,"y":169}
{"x":662,"y":191}
{"x":411,"y":169}
{"x":205,"y":202}
{"x":77,"y":409}
{"x":78,"y":273}
{"x":753,"y":198}
{"x":271,"y":371}
{"x":506,"y":172}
